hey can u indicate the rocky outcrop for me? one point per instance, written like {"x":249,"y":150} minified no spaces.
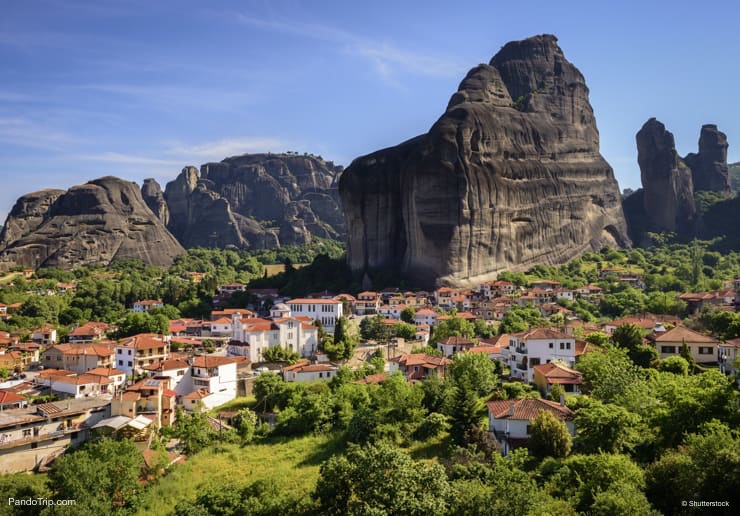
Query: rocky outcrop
{"x":256,"y":201}
{"x":98,"y":222}
{"x":27,"y":215}
{"x":709,"y":170}
{"x":153,"y":196}
{"x":668,"y":192}
{"x":509,"y":176}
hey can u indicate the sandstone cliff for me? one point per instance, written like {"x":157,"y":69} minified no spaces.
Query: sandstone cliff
{"x":509,"y":176}
{"x":153,"y":196}
{"x":668,"y":192}
{"x":256,"y":201}
{"x":27,"y":215}
{"x":709,"y":169}
{"x":98,"y":222}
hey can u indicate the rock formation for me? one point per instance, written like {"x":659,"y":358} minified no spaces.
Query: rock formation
{"x":98,"y":222}
{"x":668,"y":192}
{"x":509,"y":176}
{"x":153,"y":196}
{"x":709,"y":167}
{"x":256,"y":201}
{"x":27,"y":215}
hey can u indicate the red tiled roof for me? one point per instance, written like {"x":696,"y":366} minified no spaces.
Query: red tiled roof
{"x":83,"y":379}
{"x":542,"y":333}
{"x":373,"y":378}
{"x":207,"y":361}
{"x":197,"y":395}
{"x":558,"y":373}
{"x":167,"y":365}
{"x":313,"y":301}
{"x":527,"y":409}
{"x":143,"y":341}
{"x":106,"y":371}
{"x":681,"y":334}
{"x":428,"y":361}
{"x":456,"y":341}
{"x":7,"y":397}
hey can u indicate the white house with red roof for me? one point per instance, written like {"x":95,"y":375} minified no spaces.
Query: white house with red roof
{"x":133,"y":353}
{"x":509,"y":420}
{"x":251,"y":337}
{"x":304,"y":371}
{"x":555,"y":373}
{"x":418,"y":366}
{"x":147,"y":304}
{"x":89,"y":332}
{"x":81,"y":386}
{"x":367,"y":303}
{"x":217,"y":376}
{"x":450,"y":346}
{"x":177,"y":371}
{"x":703,"y":348}
{"x":425,"y":316}
{"x":326,"y":311}
{"x":539,"y":346}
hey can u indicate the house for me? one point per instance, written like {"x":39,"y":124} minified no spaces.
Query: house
{"x":79,"y":358}
{"x":418,"y":366}
{"x":425,"y":316}
{"x":231,"y":288}
{"x":304,"y":371}
{"x":81,"y":386}
{"x":539,"y":346}
{"x":30,"y":436}
{"x":703,"y":348}
{"x":251,"y":337}
{"x":496,"y":348}
{"x":117,"y":377}
{"x":589,"y":292}
{"x":146,"y":305}
{"x":133,"y":353}
{"x":555,"y":373}
{"x":176,"y":370}
{"x":11,"y":400}
{"x":544,"y":284}
{"x":721,"y":299}
{"x":452,"y":345}
{"x":509,"y":420}
{"x":728,"y":353}
{"x":13,"y":361}
{"x":218,"y":328}
{"x":647,"y":322}
{"x":46,"y":335}
{"x":216,"y":376}
{"x":217,"y":315}
{"x":89,"y":332}
{"x":326,"y":311}
{"x":148,"y":397}
{"x":443,"y":297}
{"x":30,"y":351}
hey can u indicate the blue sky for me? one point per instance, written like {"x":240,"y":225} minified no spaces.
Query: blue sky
{"x":140,"y":89}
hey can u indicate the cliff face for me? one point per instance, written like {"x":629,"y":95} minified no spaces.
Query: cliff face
{"x":510,"y":176}
{"x":27,"y":215}
{"x":153,"y":196}
{"x":98,"y":222}
{"x":668,"y":191}
{"x":709,"y":170}
{"x":255,"y":201}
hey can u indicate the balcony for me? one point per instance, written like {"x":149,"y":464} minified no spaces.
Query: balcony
{"x":521,"y":350}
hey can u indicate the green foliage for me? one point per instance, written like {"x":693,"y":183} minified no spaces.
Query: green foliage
{"x":344,"y":343}
{"x":473,"y":370}
{"x":259,"y":498}
{"x":624,"y":302}
{"x":606,"y":427}
{"x":136,"y":322}
{"x":675,"y":365}
{"x":245,"y":421}
{"x":630,"y":337}
{"x":549,"y":437}
{"x":407,"y":314}
{"x":520,"y":319}
{"x":381,"y":479}
{"x":608,"y":374}
{"x":280,"y":354}
{"x":452,"y":327}
{"x":581,"y":478}
{"x":103,"y":477}
{"x":194,"y":431}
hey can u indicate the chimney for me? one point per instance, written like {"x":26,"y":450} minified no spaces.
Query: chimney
{"x":562,"y":400}
{"x":511,"y":409}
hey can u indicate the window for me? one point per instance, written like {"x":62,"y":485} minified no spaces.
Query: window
{"x":321,"y":375}
{"x":562,"y":345}
{"x":567,"y":345}
{"x":119,"y":351}
{"x":129,"y":352}
{"x":130,"y":363}
{"x":181,"y":373}
{"x":120,"y":362}
{"x":705,"y":351}
{"x":529,"y":429}
{"x":668,"y":349}
{"x":550,"y":345}
{"x":27,"y":432}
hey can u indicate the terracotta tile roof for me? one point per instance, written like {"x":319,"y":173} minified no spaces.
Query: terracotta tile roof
{"x":167,"y":365}
{"x":486,"y":349}
{"x":681,"y":334}
{"x":733,"y":342}
{"x":499,"y":340}
{"x":131,"y":396}
{"x":456,"y":341}
{"x":373,"y":378}
{"x":558,"y":373}
{"x":302,"y":362}
{"x":542,"y":333}
{"x":207,"y":361}
{"x":428,"y":361}
{"x":82,"y":379}
{"x":197,"y":395}
{"x":311,"y":368}
{"x":527,"y":409}
{"x":48,"y":373}
{"x":425,"y":311}
{"x":106,"y":371}
{"x":143,"y":341}
{"x":313,"y":301}
{"x":7,"y":397}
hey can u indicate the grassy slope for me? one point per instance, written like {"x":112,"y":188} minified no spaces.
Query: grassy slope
{"x":292,"y":463}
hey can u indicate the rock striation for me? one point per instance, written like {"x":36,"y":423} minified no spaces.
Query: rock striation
{"x":667,"y":184}
{"x":256,"y":201}
{"x":153,"y":196}
{"x":508,"y":177}
{"x":709,"y":169}
{"x":98,"y":222}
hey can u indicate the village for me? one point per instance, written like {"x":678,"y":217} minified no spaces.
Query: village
{"x":58,"y":395}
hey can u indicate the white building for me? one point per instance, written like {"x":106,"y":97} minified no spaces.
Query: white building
{"x":251,"y":337}
{"x":81,"y":386}
{"x":133,"y":353}
{"x":539,"y":346}
{"x":147,"y":304}
{"x":510,"y":420}
{"x":215,"y":376}
{"x":307,"y":372}
{"x":425,"y":316}
{"x":177,"y":371}
{"x":327,"y":311}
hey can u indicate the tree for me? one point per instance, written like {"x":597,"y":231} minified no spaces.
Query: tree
{"x":597,"y":338}
{"x":407,"y":314}
{"x":549,"y":437}
{"x":103,"y":477}
{"x":280,"y":354}
{"x":608,"y":374}
{"x":245,"y":422}
{"x":453,"y":327}
{"x":520,"y":319}
{"x":134,"y":323}
{"x":475,"y":370}
{"x":344,"y":342}
{"x":606,"y":427}
{"x":629,"y":337}
{"x":675,"y":365}
{"x":380,"y":479}
{"x":194,"y":431}
{"x":260,"y":498}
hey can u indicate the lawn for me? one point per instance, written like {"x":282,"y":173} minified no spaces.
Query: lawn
{"x":292,"y":463}
{"x":277,"y":268}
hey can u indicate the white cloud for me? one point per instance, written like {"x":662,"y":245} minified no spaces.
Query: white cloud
{"x":230,"y":147}
{"x":28,"y":133}
{"x":127,"y":159}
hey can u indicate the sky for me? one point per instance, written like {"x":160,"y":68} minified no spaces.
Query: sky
{"x":141,"y":89}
